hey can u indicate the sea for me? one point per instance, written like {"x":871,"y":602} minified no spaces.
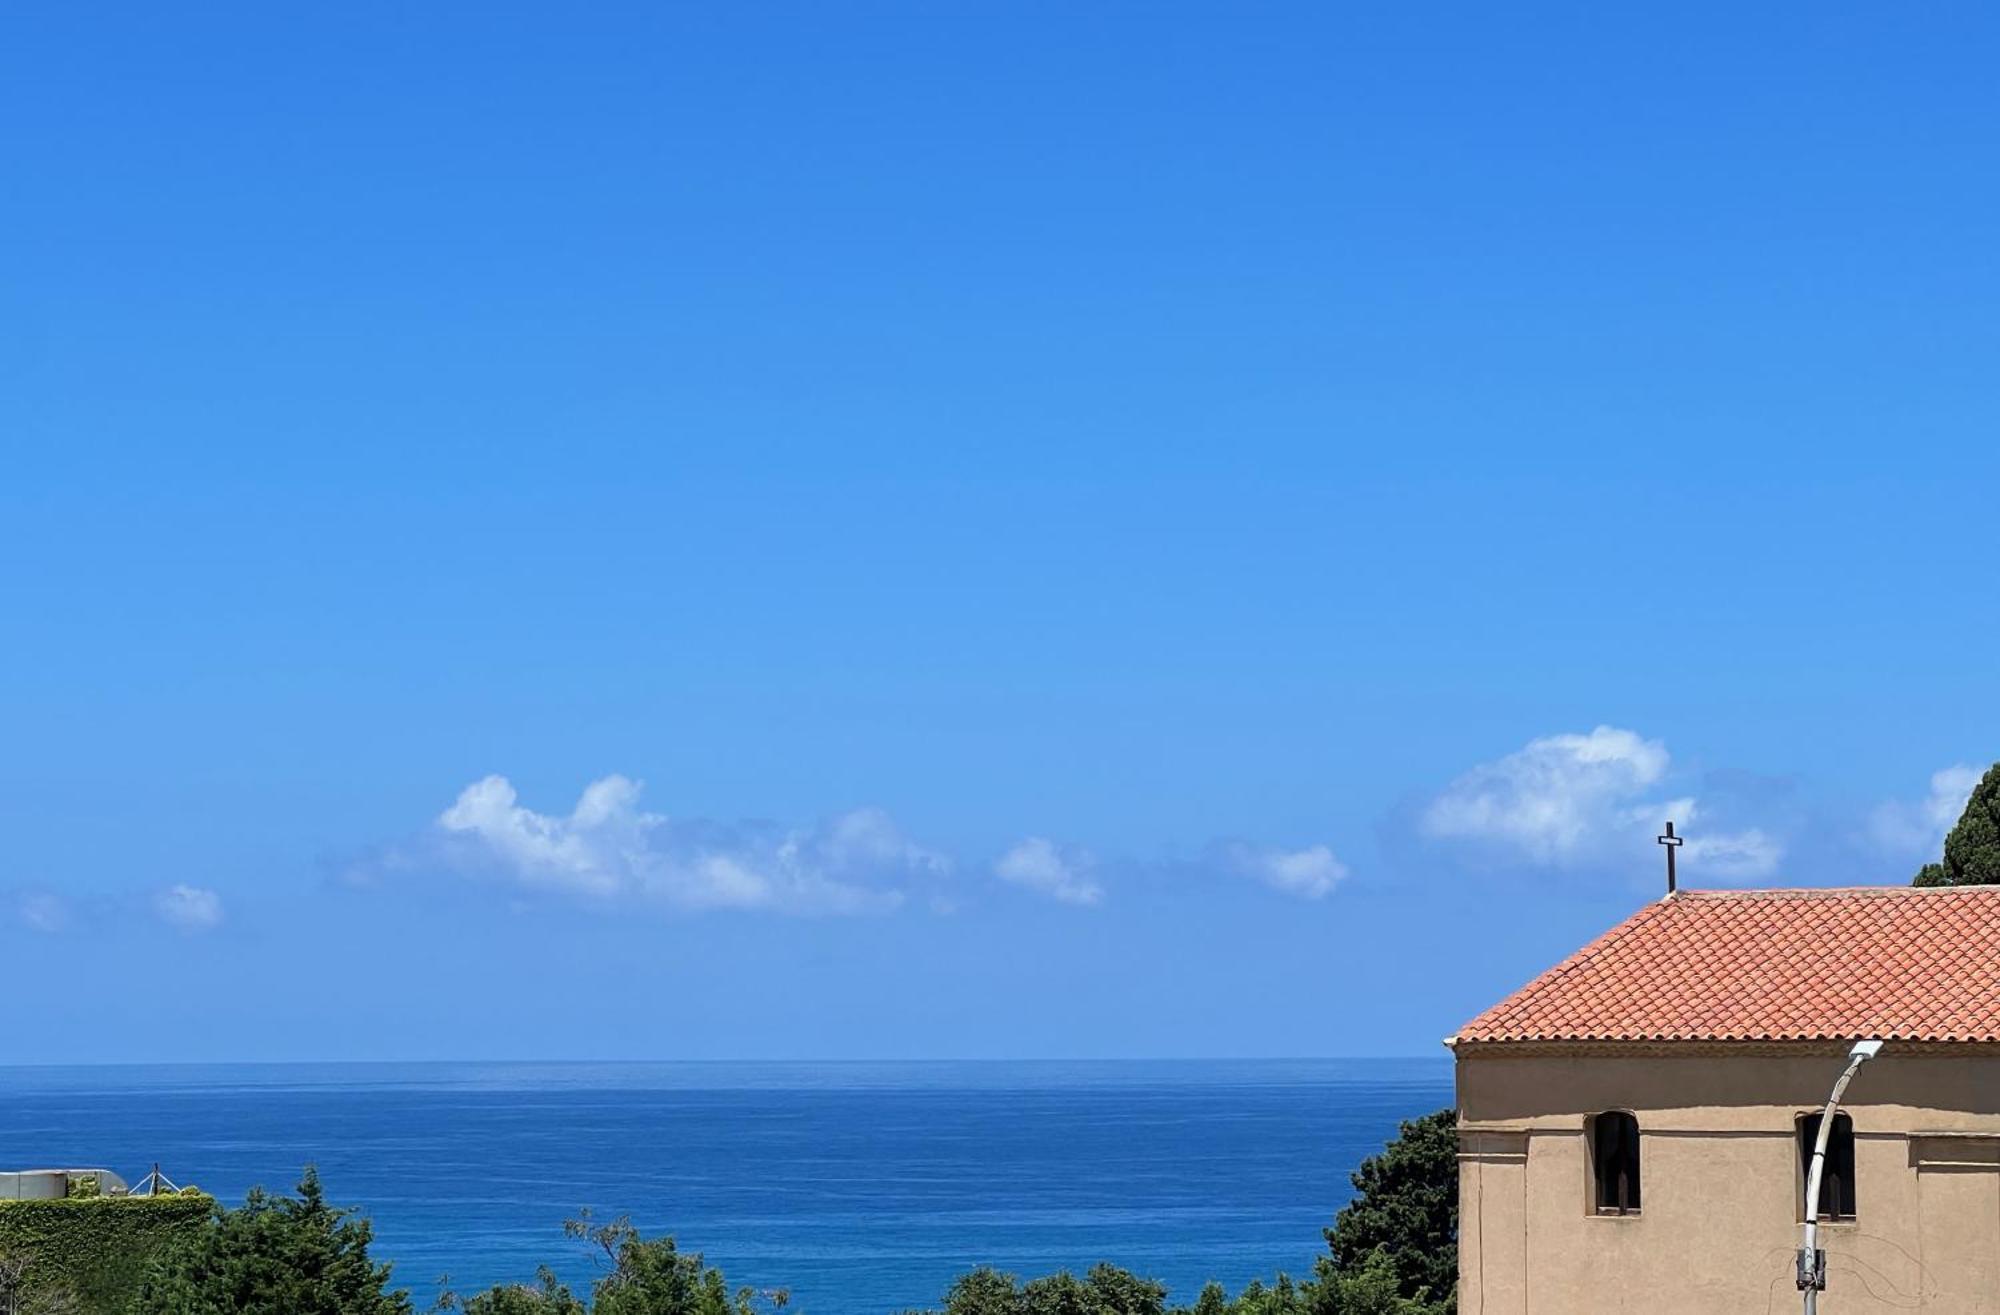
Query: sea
{"x":861,"y":1188}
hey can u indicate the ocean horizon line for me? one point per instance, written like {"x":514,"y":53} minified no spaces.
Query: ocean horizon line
{"x":908,"y":1075}
{"x":834,"y":1061}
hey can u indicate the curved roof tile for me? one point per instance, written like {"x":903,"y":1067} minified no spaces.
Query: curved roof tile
{"x":1896,"y":962}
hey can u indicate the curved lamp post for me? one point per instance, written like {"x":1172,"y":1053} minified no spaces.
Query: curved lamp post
{"x":1812,"y":1261}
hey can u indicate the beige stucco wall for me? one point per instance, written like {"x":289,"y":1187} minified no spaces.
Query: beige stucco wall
{"x":1720,"y":1223}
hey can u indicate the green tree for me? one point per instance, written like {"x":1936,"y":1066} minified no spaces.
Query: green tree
{"x":983,"y":1291}
{"x":1105,"y":1290}
{"x":650,"y":1276}
{"x":545,"y":1296}
{"x":1282,"y":1297}
{"x":1214,"y":1300}
{"x":641,"y":1276}
{"x":274,"y":1255}
{"x":1406,"y":1209}
{"x":1373,"y":1287}
{"x":1972,"y":850}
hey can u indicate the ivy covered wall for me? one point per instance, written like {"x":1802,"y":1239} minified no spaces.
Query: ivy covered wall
{"x":96,"y":1248}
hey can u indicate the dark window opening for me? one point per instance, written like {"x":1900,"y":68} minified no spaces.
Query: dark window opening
{"x":1836,"y":1185}
{"x":1614,"y":1162}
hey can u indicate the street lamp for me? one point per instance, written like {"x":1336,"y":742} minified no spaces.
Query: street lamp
{"x":1812,"y":1261}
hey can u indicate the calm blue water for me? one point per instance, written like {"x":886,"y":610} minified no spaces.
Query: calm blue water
{"x":862,"y":1187}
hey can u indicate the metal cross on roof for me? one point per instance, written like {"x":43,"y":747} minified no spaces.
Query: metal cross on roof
{"x":1672,"y":842}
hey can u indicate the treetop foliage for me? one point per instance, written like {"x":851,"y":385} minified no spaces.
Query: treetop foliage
{"x":1972,"y":850}
{"x":1406,"y":1206}
{"x":545,"y":1296}
{"x":1369,"y":1289}
{"x":1105,"y":1290}
{"x":642,"y":1276}
{"x":276,"y":1255}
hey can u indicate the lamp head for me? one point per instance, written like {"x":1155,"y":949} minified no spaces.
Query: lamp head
{"x":1865,"y":1050}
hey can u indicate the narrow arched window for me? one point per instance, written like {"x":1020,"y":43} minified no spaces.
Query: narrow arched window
{"x":1836,"y":1184}
{"x":1614,"y":1162}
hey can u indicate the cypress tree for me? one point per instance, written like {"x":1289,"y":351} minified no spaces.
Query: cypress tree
{"x":1972,"y":850}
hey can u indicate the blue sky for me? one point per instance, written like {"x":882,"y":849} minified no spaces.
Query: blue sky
{"x":964,"y":530}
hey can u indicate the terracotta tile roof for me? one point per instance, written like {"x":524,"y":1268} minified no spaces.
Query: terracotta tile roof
{"x":1774,"y":965}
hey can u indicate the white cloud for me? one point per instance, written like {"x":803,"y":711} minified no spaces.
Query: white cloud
{"x":43,"y":912}
{"x":188,"y":908}
{"x":1062,"y":872}
{"x":1576,"y":801}
{"x":590,"y":852}
{"x":609,"y":848}
{"x":1310,"y":873}
{"x":1552,"y":800}
{"x":1732,"y":855}
{"x":1916,"y":830}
